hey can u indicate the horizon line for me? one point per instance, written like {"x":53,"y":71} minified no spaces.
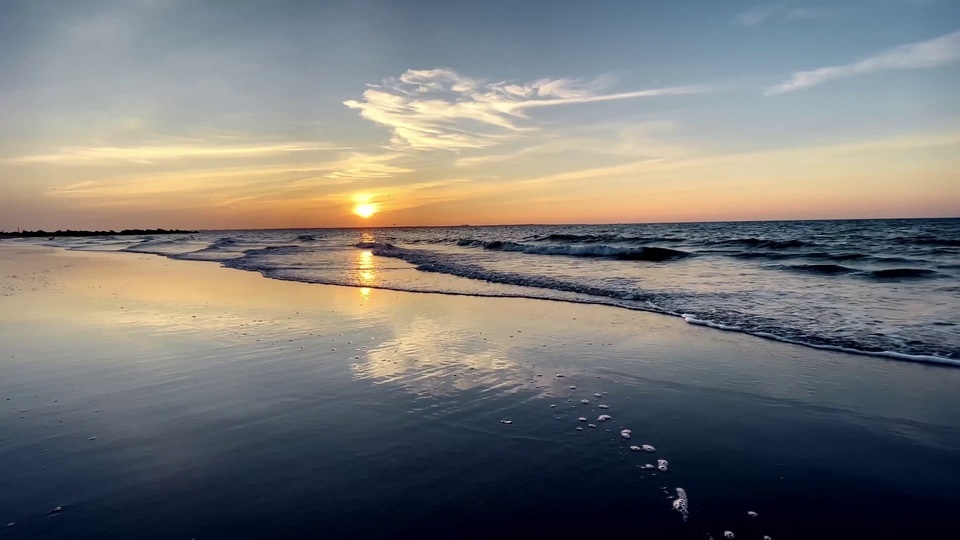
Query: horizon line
{"x":200,"y":230}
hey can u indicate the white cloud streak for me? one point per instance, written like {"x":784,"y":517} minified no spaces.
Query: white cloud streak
{"x":922,"y":54}
{"x":439,"y":109}
{"x":780,"y":11}
{"x":755,"y":16}
{"x":149,"y":154}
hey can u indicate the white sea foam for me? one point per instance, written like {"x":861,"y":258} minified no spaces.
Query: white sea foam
{"x":681,"y":504}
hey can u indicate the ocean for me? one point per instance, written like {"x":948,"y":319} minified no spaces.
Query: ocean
{"x":876,"y":287}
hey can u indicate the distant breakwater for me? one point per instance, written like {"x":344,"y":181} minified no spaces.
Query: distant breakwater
{"x":125,"y":232}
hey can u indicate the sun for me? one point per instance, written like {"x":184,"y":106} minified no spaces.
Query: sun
{"x":365,"y":210}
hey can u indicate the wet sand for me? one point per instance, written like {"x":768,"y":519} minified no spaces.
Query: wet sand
{"x":142,"y":397}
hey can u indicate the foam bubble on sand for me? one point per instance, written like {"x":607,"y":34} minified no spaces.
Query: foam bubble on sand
{"x":649,"y":448}
{"x":751,"y":513}
{"x":765,"y":537}
{"x":592,"y":426}
{"x":56,"y":510}
{"x":647,"y":466}
{"x":728,"y":534}
{"x":553,"y":406}
{"x":681,"y":504}
{"x":603,"y":406}
{"x":662,"y":465}
{"x":625,"y":433}
{"x":560,"y":375}
{"x":603,"y":418}
{"x":582,"y":419}
{"x":579,"y":428}
{"x":585,"y":401}
{"x":635,"y":448}
{"x":506,"y":421}
{"x":596,"y":395}
{"x":573,"y":387}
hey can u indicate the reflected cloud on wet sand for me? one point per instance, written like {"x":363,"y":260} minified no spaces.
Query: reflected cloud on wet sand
{"x":434,"y":357}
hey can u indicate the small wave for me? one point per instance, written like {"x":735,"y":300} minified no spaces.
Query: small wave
{"x":222,"y":242}
{"x":764,"y":243}
{"x":927,"y":240}
{"x":822,"y":268}
{"x":305,"y":238}
{"x":889,"y":273}
{"x":922,"y":358}
{"x":896,"y":273}
{"x":773,"y":256}
{"x":817,"y":256}
{"x":643,"y":253}
{"x":596,"y":238}
{"x":823,"y":255}
{"x":427,"y":261}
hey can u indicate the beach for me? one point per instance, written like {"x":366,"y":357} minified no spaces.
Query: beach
{"x":146,"y":397}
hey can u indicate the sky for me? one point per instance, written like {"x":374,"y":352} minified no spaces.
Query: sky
{"x":289,"y":114}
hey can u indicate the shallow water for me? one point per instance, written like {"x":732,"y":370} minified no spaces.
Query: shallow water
{"x":221,"y":405}
{"x":883,"y":287}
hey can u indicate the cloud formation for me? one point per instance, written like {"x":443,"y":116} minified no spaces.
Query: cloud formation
{"x":761,"y":14}
{"x":439,"y":109}
{"x":101,"y":155}
{"x":922,"y":54}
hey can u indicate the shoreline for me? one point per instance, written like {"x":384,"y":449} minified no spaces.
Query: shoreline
{"x":928,"y":359}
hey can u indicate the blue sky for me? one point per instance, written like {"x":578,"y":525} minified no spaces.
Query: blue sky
{"x":287,"y":114}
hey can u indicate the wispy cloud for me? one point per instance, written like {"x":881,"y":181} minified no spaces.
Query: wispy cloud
{"x":782,"y":11}
{"x":922,"y":54}
{"x":755,"y":16}
{"x":360,"y":166}
{"x":441,"y":109}
{"x":289,"y":181}
{"x":105,"y":155}
{"x":809,"y":154}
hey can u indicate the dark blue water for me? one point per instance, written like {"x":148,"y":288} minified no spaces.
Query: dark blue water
{"x":883,"y":287}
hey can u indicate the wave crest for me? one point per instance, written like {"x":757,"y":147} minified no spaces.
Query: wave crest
{"x":642,"y":253}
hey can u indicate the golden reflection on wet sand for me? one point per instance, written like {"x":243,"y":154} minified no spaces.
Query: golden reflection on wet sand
{"x":437,"y":357}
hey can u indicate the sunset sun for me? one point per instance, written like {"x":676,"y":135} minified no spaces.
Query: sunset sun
{"x":365,"y":210}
